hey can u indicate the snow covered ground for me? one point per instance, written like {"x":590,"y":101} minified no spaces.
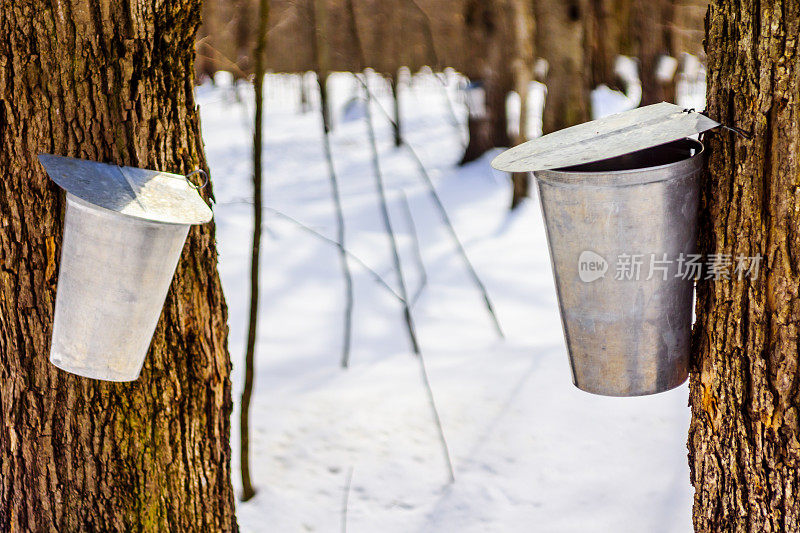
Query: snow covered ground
{"x":530,"y":451}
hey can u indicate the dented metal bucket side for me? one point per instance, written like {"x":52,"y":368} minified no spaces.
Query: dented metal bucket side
{"x":625,"y":337}
{"x":114,"y":277}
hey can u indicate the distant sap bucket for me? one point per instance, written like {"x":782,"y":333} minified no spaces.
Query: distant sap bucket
{"x":476,"y":99}
{"x":124,"y":230}
{"x":617,"y":227}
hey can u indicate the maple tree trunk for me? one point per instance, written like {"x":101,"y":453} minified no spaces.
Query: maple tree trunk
{"x":651,"y":22}
{"x":243,"y":35}
{"x":744,"y":438}
{"x":524,"y":28}
{"x":205,"y":66}
{"x":484,"y":21}
{"x":109,"y":82}
{"x":601,"y":44}
{"x":568,"y":76}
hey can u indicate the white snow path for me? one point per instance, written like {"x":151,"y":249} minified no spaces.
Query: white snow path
{"x":531,"y":452}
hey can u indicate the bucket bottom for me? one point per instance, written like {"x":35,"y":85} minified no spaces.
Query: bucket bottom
{"x":592,"y":388}
{"x":94,"y":372}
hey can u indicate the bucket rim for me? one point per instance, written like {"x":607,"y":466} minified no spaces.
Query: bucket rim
{"x":110,"y":212}
{"x":634,"y":176}
{"x":145,"y":194}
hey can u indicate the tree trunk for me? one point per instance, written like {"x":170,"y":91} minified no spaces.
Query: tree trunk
{"x":480,"y":139}
{"x":109,"y":82}
{"x":255,"y":252}
{"x":523,"y":65}
{"x":322,"y":58}
{"x":243,"y":36}
{"x":607,"y":34}
{"x":744,"y":438}
{"x":485,"y":22}
{"x":205,"y":66}
{"x":600,"y":47}
{"x":568,"y":77}
{"x":394,"y":82}
{"x":651,"y":21}
{"x":687,"y":31}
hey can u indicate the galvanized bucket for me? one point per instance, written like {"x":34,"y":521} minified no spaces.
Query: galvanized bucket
{"x":621,"y":231}
{"x":617,"y":231}
{"x":124,"y":230}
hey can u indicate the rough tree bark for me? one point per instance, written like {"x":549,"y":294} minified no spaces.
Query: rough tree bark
{"x":109,"y":82}
{"x":744,"y":438}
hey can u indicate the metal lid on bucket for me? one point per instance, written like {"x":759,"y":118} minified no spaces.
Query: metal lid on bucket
{"x":612,"y":136}
{"x":136,"y":192}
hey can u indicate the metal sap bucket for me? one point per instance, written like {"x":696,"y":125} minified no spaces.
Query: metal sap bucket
{"x":627,"y":335}
{"x":627,"y":329}
{"x":124,"y":230}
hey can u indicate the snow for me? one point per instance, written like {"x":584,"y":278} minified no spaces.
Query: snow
{"x":535,"y":103}
{"x":666,"y":68}
{"x":531,"y":452}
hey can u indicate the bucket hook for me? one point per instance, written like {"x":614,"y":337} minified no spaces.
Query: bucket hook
{"x":739,"y":131}
{"x":201,"y":172}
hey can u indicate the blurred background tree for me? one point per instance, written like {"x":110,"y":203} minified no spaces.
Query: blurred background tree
{"x":490,"y":42}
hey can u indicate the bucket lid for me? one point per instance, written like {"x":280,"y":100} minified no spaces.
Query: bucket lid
{"x":612,"y":136}
{"x":137,"y":192}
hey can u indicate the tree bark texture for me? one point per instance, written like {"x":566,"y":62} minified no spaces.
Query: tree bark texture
{"x":560,"y":41}
{"x":744,"y":438}
{"x":109,"y":82}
